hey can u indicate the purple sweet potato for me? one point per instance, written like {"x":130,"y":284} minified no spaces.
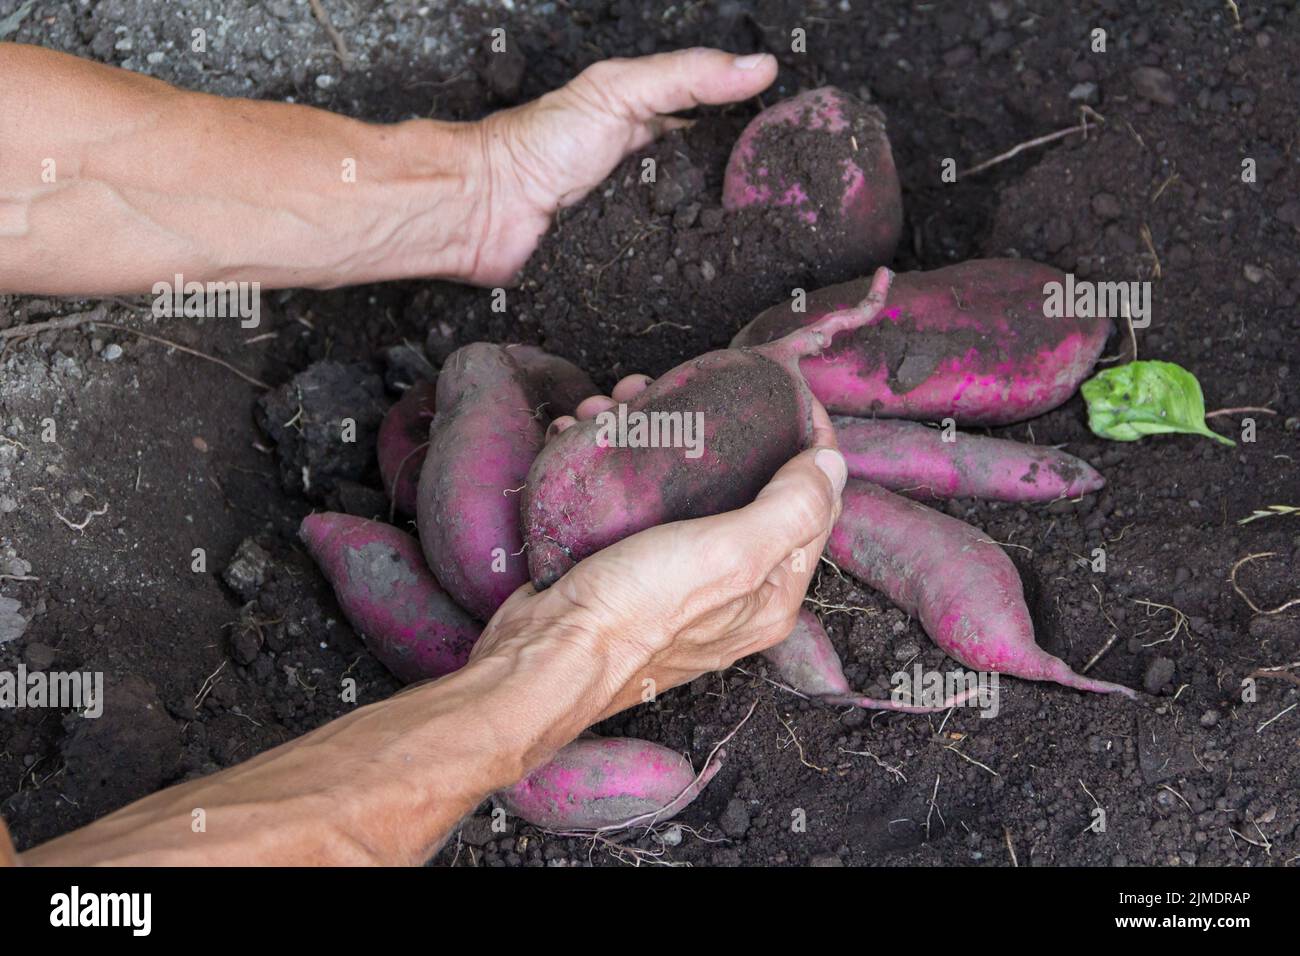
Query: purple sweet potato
{"x":484,"y":437}
{"x":557,"y":382}
{"x":961,"y":586}
{"x":823,"y":155}
{"x":968,"y":341}
{"x":387,"y":593}
{"x":606,"y":783}
{"x":403,"y":443}
{"x":806,"y":660}
{"x":914,"y":460}
{"x":741,"y":414}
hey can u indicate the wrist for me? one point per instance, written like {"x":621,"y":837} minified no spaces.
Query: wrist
{"x":551,"y":678}
{"x":435,"y":199}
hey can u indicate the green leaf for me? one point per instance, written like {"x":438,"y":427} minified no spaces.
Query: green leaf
{"x":1146,"y":398}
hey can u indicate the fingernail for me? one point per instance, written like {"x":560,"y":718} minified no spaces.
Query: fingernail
{"x":831,"y":462}
{"x":749,"y":61}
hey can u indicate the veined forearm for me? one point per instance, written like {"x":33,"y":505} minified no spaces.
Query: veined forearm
{"x":110,"y":182}
{"x":385,"y":784}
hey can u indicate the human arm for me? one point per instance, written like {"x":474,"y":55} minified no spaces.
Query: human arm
{"x":111,"y":181}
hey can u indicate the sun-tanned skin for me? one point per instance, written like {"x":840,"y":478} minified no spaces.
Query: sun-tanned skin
{"x":150,"y":181}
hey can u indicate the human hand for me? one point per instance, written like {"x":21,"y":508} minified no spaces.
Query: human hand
{"x":663,"y":606}
{"x":536,"y":158}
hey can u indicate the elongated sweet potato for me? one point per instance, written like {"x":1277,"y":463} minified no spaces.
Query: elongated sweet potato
{"x":968,"y":341}
{"x":962,"y":587}
{"x":387,"y":593}
{"x":806,"y":660}
{"x":914,"y":460}
{"x":701,"y":439}
{"x":825,"y":157}
{"x":484,"y":437}
{"x":403,"y":443}
{"x":606,"y":783}
{"x":490,"y":425}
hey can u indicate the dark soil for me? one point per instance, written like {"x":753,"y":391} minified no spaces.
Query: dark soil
{"x":212,"y":658}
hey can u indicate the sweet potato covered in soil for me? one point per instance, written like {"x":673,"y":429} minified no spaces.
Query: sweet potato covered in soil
{"x":486,"y":433}
{"x":824,"y":157}
{"x":916,"y":461}
{"x":968,"y":341}
{"x":606,"y":783}
{"x":388,"y":595}
{"x":588,"y":488}
{"x":493,"y":403}
{"x":960,"y":585}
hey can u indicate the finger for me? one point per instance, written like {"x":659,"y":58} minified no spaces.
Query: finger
{"x":559,"y":425}
{"x":630,"y":387}
{"x":671,"y":82}
{"x":823,"y":431}
{"x":798,"y":504}
{"x":589,"y":408}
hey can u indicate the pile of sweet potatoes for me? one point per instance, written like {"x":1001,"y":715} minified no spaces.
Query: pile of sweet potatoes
{"x":496,"y":504}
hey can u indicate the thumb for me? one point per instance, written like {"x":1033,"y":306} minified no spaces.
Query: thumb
{"x":799,"y":504}
{"x":642,"y":88}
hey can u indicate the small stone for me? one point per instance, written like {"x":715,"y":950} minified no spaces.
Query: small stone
{"x":15,"y":567}
{"x":1084,"y":92}
{"x":906,"y":651}
{"x":1106,"y":206}
{"x":8,"y":503}
{"x":1209,"y":718}
{"x":246,"y":572}
{"x":477,"y":831}
{"x":245,"y":645}
{"x":735,"y":819}
{"x":156,"y":57}
{"x":112,"y":352}
{"x":12,"y":624}
{"x":671,"y":836}
{"x":707,"y":271}
{"x":1159,"y":673}
{"x":324,"y":81}
{"x":826,"y":860}
{"x":39,"y":656}
{"x":1253,"y":273}
{"x":1155,"y":85}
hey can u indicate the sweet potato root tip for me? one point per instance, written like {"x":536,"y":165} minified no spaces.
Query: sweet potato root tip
{"x":963,"y":588}
{"x":806,"y":660}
